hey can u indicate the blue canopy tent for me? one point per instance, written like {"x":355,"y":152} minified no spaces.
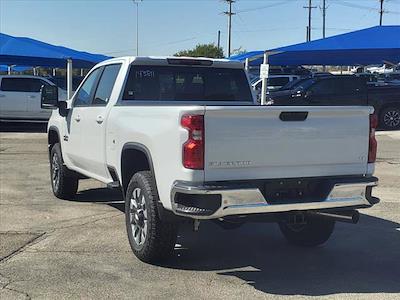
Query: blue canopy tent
{"x":29,"y":52}
{"x":375,"y":45}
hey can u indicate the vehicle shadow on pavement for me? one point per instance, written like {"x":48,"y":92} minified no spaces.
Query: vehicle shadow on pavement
{"x":363,"y":258}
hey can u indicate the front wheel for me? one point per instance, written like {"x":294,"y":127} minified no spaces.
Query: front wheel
{"x":390,"y":118}
{"x":150,"y":238}
{"x":63,"y":182}
{"x":314,"y":231}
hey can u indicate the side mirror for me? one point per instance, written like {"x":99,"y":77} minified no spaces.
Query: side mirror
{"x":63,"y":108}
{"x":49,"y":97}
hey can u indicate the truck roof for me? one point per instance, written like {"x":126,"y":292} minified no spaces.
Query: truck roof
{"x":173,"y":60}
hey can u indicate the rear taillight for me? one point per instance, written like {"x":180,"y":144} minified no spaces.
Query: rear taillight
{"x":373,"y":145}
{"x":193,"y":148}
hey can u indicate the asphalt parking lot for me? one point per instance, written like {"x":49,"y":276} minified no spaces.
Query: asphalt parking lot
{"x":51,"y":248}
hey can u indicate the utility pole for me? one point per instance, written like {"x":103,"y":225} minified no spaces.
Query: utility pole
{"x":307,"y":32}
{"x":309,"y":7}
{"x":219,"y":39}
{"x":230,"y":14}
{"x":381,"y":13}
{"x":323,"y":18}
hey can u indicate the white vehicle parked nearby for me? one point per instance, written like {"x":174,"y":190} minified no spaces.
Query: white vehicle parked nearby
{"x":184,"y":138}
{"x":20,"y":97}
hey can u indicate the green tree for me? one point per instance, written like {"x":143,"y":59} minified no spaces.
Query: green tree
{"x":203,"y":50}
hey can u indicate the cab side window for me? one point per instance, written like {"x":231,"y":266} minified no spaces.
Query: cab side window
{"x":106,"y":84}
{"x":85,"y":93}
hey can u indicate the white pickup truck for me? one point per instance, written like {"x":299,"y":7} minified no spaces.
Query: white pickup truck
{"x":184,"y":139}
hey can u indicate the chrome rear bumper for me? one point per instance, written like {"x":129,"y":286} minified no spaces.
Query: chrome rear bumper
{"x":243,"y":200}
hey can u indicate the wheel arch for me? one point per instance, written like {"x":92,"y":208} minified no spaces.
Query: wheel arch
{"x":53,"y":137}
{"x":390,"y":104}
{"x":135,"y":157}
{"x":129,"y":151}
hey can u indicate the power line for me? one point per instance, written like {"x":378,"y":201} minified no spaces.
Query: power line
{"x":380,"y":10}
{"x":262,"y":7}
{"x":352,"y":5}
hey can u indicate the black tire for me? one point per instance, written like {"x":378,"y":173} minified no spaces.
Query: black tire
{"x":63,"y":182}
{"x":389,"y":118}
{"x":159,"y":238}
{"x":314,"y":232}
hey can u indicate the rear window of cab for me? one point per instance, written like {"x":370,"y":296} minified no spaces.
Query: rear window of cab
{"x":182,"y":83}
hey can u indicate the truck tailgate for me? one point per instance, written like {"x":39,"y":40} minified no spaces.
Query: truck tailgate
{"x":256,"y":142}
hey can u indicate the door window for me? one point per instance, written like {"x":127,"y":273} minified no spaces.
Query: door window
{"x":106,"y":84}
{"x":85,"y":93}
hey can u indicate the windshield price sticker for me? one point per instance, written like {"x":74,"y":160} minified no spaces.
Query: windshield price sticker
{"x":145,"y":74}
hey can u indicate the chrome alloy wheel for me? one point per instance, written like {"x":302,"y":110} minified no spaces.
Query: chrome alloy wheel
{"x":138,"y":216}
{"x":55,"y":171}
{"x":392,"y":118}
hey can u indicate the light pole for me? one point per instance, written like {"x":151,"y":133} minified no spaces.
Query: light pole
{"x":137,"y":25}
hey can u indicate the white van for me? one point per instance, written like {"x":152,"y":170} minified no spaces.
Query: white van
{"x":20,"y":97}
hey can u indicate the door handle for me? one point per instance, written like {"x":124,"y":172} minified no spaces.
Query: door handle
{"x":77,"y":118}
{"x":99,"y":119}
{"x":2,"y":96}
{"x":293,"y":116}
{"x":32,"y":96}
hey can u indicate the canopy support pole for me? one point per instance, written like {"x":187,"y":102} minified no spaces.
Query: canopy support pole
{"x":246,"y":65}
{"x":9,"y":70}
{"x":264,"y":81}
{"x":69,"y":79}
{"x":54,"y":72}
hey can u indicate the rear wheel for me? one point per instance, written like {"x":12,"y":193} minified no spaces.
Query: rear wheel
{"x":313,"y":231}
{"x":151,"y":239}
{"x":390,"y":118}
{"x":63,"y":182}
